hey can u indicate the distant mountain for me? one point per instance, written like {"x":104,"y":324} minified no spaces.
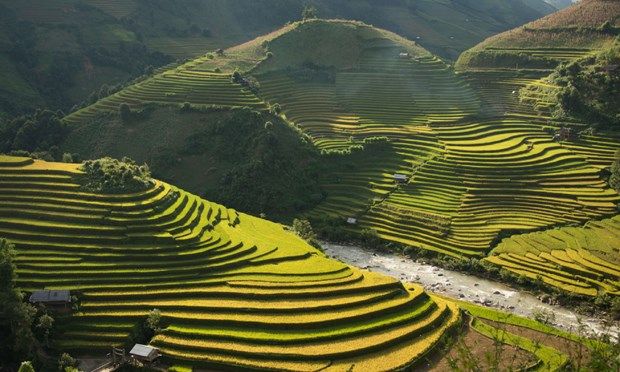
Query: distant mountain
{"x":57,"y":53}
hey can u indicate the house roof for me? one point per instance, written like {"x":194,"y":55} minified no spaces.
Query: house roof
{"x":399,"y":176}
{"x":48,"y":295}
{"x":142,"y":350}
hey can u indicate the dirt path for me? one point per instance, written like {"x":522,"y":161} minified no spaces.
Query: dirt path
{"x":462,"y":286}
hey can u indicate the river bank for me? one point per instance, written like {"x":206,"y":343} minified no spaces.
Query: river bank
{"x":464,"y":287}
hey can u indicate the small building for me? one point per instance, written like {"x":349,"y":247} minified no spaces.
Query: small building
{"x":352,"y":220}
{"x":51,"y":298}
{"x":144,"y":353}
{"x":400,"y":178}
{"x":403,"y":55}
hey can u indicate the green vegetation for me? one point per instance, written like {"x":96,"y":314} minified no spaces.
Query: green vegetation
{"x":242,"y":160}
{"x":589,"y":88}
{"x":112,"y":176}
{"x":16,"y":317}
{"x":39,"y":132}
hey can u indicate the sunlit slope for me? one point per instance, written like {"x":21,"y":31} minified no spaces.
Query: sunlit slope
{"x":234,"y":290}
{"x":503,"y":64}
{"x":470,"y":179}
{"x":570,"y":33}
{"x":583,"y":260}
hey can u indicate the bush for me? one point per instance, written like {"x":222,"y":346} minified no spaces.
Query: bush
{"x":153,"y":321}
{"x":67,"y":158}
{"x":276,"y":109}
{"x":66,"y":362}
{"x":186,"y":106}
{"x":26,"y":367}
{"x":109,"y":175}
{"x":303,"y":229}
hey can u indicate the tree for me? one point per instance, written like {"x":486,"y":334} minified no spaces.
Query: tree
{"x":66,"y":362}
{"x":303,"y":228}
{"x":45,"y":324}
{"x":26,"y":367}
{"x":606,"y":27}
{"x":15,"y":315}
{"x":309,"y":12}
{"x":153,"y":320}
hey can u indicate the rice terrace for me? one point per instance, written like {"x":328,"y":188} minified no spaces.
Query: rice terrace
{"x":242,"y":185}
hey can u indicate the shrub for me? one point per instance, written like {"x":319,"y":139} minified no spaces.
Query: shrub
{"x":186,"y":106}
{"x":303,"y":229}
{"x":67,"y":158}
{"x":276,"y":108}
{"x":109,"y":175}
{"x":66,"y":362}
{"x":309,"y":12}
{"x":153,"y":321}
{"x":26,"y":367}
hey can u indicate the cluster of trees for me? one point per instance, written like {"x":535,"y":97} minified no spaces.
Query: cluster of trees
{"x":336,"y":229}
{"x":40,"y":132}
{"x":497,"y":58}
{"x":248,"y":82}
{"x":590,"y":88}
{"x":266,"y":166}
{"x":112,"y":176}
{"x":25,"y":331}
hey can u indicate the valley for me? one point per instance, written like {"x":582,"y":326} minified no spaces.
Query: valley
{"x":377,"y":186}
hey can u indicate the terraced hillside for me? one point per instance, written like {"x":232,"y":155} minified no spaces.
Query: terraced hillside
{"x":511,"y":72}
{"x":582,"y":260}
{"x":377,"y":105}
{"x":234,"y":290}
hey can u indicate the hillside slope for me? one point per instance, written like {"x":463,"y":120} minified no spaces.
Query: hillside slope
{"x":377,"y":105}
{"x":235,"y":291}
{"x":58,"y":53}
{"x":519,"y":75}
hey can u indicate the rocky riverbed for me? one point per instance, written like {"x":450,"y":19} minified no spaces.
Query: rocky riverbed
{"x":462,"y":286}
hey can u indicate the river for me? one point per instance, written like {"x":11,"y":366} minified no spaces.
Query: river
{"x":462,"y":286}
